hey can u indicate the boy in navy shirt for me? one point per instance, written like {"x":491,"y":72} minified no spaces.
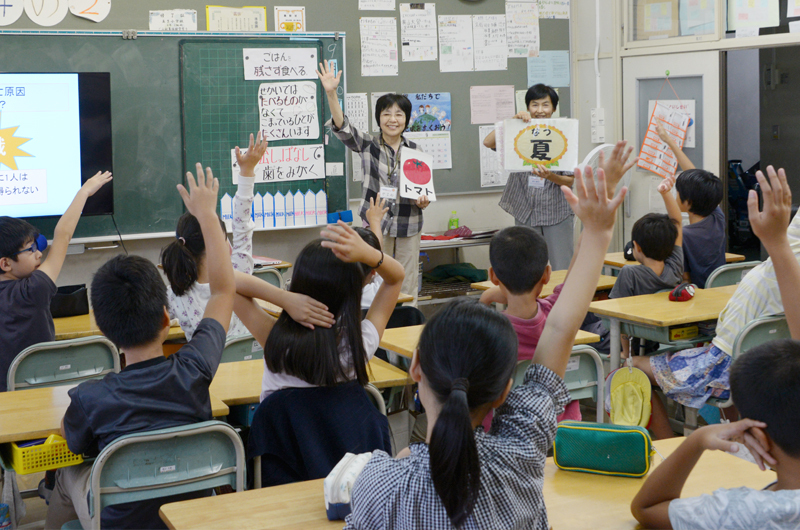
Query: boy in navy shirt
{"x":26,"y":284}
{"x":152,"y":392}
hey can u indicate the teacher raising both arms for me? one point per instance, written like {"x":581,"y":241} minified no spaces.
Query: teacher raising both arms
{"x":380,"y":161}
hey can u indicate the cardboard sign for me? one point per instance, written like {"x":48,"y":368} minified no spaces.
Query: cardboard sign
{"x":552,"y":144}
{"x":416,"y":175}
{"x":655,"y":155}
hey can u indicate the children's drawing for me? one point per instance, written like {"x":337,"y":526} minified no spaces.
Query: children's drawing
{"x":430,"y":111}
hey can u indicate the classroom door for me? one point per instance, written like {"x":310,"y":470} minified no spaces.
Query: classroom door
{"x":694,"y":80}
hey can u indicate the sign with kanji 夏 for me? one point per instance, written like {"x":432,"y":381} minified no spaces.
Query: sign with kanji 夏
{"x":552,"y":144}
{"x":416,"y":175}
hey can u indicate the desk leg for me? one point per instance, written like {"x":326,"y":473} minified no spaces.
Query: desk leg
{"x":615,"y":348}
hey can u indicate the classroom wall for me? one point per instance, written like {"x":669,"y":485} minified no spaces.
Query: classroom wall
{"x":744,"y":140}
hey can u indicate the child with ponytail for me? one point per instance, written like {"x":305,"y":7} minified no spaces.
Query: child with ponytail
{"x":463,"y":477}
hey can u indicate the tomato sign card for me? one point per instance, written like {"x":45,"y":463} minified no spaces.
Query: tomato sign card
{"x":552,"y":144}
{"x":416,"y":175}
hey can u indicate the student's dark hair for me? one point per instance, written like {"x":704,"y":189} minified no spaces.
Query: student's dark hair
{"x":764,"y":388}
{"x":14,"y":233}
{"x":540,"y":91}
{"x":467,"y":353}
{"x":128,"y":298}
{"x":701,"y":188}
{"x":519,"y":258}
{"x":656,"y":233}
{"x":313,"y":355}
{"x":371,"y":240}
{"x":180,"y":259}
{"x":387,"y":100}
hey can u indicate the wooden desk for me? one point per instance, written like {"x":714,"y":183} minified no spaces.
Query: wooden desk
{"x":403,"y":341}
{"x":283,"y":265}
{"x":37,"y":413}
{"x":573,"y":500}
{"x":239,"y":383}
{"x":85,"y":326}
{"x":605,"y":283}
{"x":616,"y":260}
{"x":655,"y":310}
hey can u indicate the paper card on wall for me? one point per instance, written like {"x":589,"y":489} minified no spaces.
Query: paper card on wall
{"x":378,"y":46}
{"x":489,"y":35}
{"x":792,"y":8}
{"x":290,"y":19}
{"x":753,"y":14}
{"x":310,"y":207}
{"x":418,"y":32}
{"x":288,"y":110}
{"x":46,"y":12}
{"x":373,"y":99}
{"x":655,"y":155}
{"x":240,"y":19}
{"x":553,"y":9}
{"x":697,"y":17}
{"x":456,"y":49}
{"x":94,"y":10}
{"x":522,"y":29}
{"x":279,"y":63}
{"x":355,"y":104}
{"x":545,"y":143}
{"x":258,"y":210}
{"x":520,"y":99}
{"x":286,"y":163}
{"x":686,"y":106}
{"x":436,"y":144}
{"x":358,"y":170}
{"x":430,"y":111}
{"x":226,"y":211}
{"x":173,"y":20}
{"x":376,"y":5}
{"x":322,"y":207}
{"x":416,"y":175}
{"x":492,"y":173}
{"x":489,"y":104}
{"x":550,"y":68}
{"x":11,"y":11}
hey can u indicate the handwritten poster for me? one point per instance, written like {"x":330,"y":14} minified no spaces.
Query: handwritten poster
{"x":416,"y":175}
{"x":355,"y":105}
{"x":697,"y":17}
{"x":279,"y":63}
{"x":545,"y":143}
{"x":436,"y":144}
{"x":373,"y":100}
{"x":173,"y":20}
{"x":455,"y":44}
{"x":489,"y":104}
{"x":522,"y":29}
{"x":418,"y":32}
{"x":492,"y":172}
{"x":288,"y":110}
{"x":550,"y":68}
{"x":376,"y":5}
{"x":430,"y":111}
{"x":489,"y":35}
{"x":753,"y":14}
{"x":792,"y":8}
{"x":378,"y":46}
{"x":686,"y":106}
{"x":94,"y":10}
{"x":244,"y":19}
{"x":553,"y":9}
{"x":290,"y":19}
{"x":12,"y":10}
{"x":655,"y":155}
{"x":287,"y":163}
{"x":46,"y":12}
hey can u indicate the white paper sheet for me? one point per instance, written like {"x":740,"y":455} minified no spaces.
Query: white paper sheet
{"x":289,"y":110}
{"x":522,"y":29}
{"x":416,"y":175}
{"x":686,"y":106}
{"x":554,"y":9}
{"x":455,"y":43}
{"x":355,"y":105}
{"x":94,"y":10}
{"x":547,"y":143}
{"x":697,"y":17}
{"x":436,"y":144}
{"x":550,"y":68}
{"x":286,"y":163}
{"x":752,"y":14}
{"x":173,"y":20}
{"x":378,"y":46}
{"x":373,"y":98}
{"x":418,"y":32}
{"x":792,"y":8}
{"x":46,"y":12}
{"x":279,"y":63}
{"x":11,"y":12}
{"x":489,"y":104}
{"x":244,"y":19}
{"x":376,"y":5}
{"x":492,"y":172}
{"x":489,"y":35}
{"x":290,"y":19}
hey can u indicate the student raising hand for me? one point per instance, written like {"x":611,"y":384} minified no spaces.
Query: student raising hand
{"x":348,"y":246}
{"x":255,"y":151}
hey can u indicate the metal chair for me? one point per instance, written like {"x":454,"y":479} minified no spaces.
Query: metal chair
{"x":166,"y":462}
{"x":63,"y":362}
{"x":270,"y":275}
{"x":375,"y":396}
{"x":730,"y":273}
{"x":241,"y":348}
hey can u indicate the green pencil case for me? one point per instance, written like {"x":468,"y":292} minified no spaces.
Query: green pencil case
{"x":603,"y":449}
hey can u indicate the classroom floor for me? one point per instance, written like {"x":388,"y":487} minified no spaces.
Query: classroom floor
{"x":36,"y":508}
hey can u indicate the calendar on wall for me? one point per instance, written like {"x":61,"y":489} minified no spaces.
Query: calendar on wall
{"x":436,"y":144}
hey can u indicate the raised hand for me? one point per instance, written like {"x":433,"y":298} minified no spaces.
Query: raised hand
{"x":308,"y":312}
{"x":329,"y":81}
{"x":662,"y":133}
{"x":377,"y":209}
{"x":92,"y":185}
{"x":347,"y":245}
{"x":617,"y":164}
{"x":666,"y":185}
{"x":255,"y":151}
{"x":771,"y":223}
{"x":590,"y":201}
{"x":201,"y":197}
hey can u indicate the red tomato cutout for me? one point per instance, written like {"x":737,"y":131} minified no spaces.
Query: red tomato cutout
{"x":417,"y":171}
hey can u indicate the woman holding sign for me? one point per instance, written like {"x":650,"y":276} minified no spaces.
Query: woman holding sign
{"x":381,"y":163}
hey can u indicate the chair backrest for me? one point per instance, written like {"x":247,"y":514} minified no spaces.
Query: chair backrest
{"x":63,"y":362}
{"x":375,"y":396}
{"x":270,"y":275}
{"x":242,"y":348}
{"x":166,"y":462}
{"x":730,"y":273}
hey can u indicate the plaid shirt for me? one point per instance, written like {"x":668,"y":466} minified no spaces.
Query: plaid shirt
{"x":404,"y":218}
{"x":399,"y":493}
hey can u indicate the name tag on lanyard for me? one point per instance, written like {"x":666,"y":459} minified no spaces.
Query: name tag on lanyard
{"x":535,"y":182}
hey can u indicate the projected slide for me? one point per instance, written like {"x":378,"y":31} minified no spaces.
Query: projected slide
{"x":40,"y":151}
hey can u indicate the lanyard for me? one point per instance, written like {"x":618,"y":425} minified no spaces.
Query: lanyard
{"x":396,"y":164}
